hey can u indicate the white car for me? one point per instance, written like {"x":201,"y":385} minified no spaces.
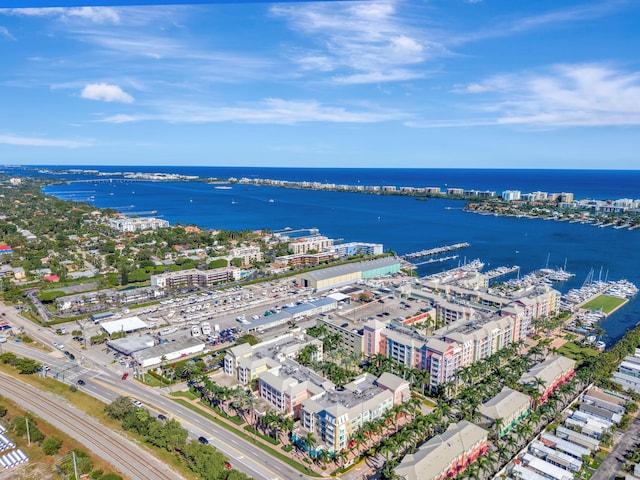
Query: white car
{"x":59,"y":346}
{"x":137,"y":403}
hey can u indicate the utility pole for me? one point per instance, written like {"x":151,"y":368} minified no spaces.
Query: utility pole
{"x":75,"y":465}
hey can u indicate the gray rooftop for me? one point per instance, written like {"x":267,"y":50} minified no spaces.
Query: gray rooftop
{"x":129,"y":345}
{"x":349,"y":268}
{"x":160,"y":350}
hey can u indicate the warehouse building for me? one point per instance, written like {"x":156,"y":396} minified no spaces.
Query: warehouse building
{"x":350,"y":273}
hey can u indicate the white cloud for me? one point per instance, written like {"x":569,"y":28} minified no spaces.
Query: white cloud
{"x":94,"y":14}
{"x":270,"y":111}
{"x":41,"y":142}
{"x":359,"y":40}
{"x":562,"y":96}
{"x":378,"y":77}
{"x":106,"y":93}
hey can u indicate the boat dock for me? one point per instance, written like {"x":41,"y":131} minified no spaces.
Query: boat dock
{"x":501,"y":271}
{"x":434,"y":260}
{"x":435,"y":251}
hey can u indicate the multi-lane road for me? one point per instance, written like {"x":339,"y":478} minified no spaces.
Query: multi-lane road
{"x":106,"y":385}
{"x":128,"y":457}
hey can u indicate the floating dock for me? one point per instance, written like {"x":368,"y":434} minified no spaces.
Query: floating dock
{"x":435,"y":251}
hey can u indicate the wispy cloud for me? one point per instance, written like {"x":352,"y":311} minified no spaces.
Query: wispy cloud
{"x":524,"y":23}
{"x":94,"y":14}
{"x":359,"y":42}
{"x":106,"y":93}
{"x":42,"y":142}
{"x":4,"y":32}
{"x":269,"y":111}
{"x":562,"y":96}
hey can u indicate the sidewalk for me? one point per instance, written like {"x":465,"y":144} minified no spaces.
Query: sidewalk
{"x":294,"y":454}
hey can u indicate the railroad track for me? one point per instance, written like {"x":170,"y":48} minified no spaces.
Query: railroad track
{"x":125,"y":455}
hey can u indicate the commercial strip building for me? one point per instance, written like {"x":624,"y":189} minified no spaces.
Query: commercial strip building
{"x":126,"y":325}
{"x":446,"y":455}
{"x":167,"y":352}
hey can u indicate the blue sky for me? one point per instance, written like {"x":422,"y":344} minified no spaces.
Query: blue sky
{"x":391,"y":83}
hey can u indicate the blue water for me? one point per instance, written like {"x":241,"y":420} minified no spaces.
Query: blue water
{"x":402,"y":224}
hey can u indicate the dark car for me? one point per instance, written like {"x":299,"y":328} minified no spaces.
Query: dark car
{"x":163,"y":418}
{"x":203,"y":440}
{"x":80,"y":381}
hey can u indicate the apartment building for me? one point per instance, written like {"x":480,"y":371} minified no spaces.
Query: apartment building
{"x":337,"y":415}
{"x":317,"y":243}
{"x":248,"y":255}
{"x":246,"y":362}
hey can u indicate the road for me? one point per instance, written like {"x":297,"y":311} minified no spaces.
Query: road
{"x":103,"y":383}
{"x":612,"y":465}
{"x":125,"y":455}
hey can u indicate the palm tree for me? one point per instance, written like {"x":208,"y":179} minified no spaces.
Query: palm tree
{"x":309,"y":441}
{"x":498,"y":425}
{"x":340,"y":457}
{"x":388,"y":448}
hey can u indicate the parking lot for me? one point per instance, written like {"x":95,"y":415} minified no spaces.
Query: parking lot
{"x":218,"y":317}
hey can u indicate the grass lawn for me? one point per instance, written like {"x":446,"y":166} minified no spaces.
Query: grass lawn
{"x":185,"y":394}
{"x":605,"y":303}
{"x":577,"y":352}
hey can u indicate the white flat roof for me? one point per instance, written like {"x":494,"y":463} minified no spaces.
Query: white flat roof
{"x":130,"y":324}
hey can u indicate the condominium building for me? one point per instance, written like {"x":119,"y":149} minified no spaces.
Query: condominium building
{"x":357,"y":248}
{"x":195,"y":277}
{"x":317,"y":243}
{"x":134,"y":224}
{"x":246,"y":362}
{"x":337,"y":415}
{"x":288,"y":384}
{"x":306,"y":259}
{"x":509,"y":405}
{"x":248,"y":255}
{"x":446,"y":455}
{"x":548,"y":375}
